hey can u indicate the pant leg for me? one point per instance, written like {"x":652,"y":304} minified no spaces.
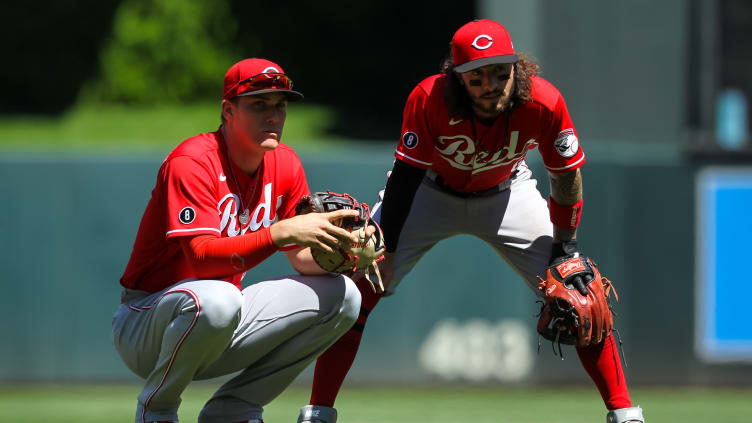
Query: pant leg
{"x":332,"y":366}
{"x":434,"y":216}
{"x":285,"y":324}
{"x":523,"y":238}
{"x":517,"y":225}
{"x":168,"y":337}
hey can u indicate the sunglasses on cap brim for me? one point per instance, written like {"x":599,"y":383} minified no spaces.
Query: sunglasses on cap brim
{"x":264,"y":81}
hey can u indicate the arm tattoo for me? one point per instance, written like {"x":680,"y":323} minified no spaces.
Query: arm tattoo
{"x":566,"y":189}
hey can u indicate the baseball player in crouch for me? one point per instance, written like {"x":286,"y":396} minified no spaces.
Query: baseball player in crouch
{"x":223,"y":202}
{"x":460,"y":168}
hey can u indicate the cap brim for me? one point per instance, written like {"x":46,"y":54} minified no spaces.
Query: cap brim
{"x":475,"y":64}
{"x":291,"y":95}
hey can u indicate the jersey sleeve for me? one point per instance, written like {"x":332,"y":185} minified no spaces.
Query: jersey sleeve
{"x":560,"y":147}
{"x":190,"y":197}
{"x":415,"y":145}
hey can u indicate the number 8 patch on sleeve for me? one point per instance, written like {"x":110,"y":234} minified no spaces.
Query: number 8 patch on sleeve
{"x":187,"y":215}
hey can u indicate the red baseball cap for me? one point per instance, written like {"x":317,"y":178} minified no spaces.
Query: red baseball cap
{"x":479,"y":43}
{"x":257,"y":76}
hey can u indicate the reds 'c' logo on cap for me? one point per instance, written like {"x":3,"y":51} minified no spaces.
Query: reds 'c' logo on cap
{"x":482,"y":42}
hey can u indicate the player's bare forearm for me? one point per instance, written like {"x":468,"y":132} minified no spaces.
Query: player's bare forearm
{"x":566,"y":190}
{"x":312,"y":230}
{"x":302,"y":261}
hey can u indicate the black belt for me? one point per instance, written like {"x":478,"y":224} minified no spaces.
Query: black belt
{"x":438,"y":182}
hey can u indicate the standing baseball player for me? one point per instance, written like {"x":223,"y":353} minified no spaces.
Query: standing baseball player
{"x":460,"y":168}
{"x":223,"y":202}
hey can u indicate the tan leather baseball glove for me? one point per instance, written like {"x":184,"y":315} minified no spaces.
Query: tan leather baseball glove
{"x":364,"y":253}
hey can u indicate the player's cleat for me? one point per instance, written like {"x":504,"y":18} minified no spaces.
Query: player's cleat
{"x":625,"y":415}
{"x":317,"y":414}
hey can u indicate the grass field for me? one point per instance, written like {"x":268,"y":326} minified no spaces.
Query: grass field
{"x":115,"y":403}
{"x":133,"y":128}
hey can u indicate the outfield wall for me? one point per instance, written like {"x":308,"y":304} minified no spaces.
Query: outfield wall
{"x":462,"y":314}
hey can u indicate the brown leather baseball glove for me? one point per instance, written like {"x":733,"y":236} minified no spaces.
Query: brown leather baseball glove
{"x":364,"y":253}
{"x":567,"y":316}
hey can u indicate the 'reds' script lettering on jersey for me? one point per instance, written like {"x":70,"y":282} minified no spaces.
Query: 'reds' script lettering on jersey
{"x":459,"y":151}
{"x":228,"y":212}
{"x":473,"y":155}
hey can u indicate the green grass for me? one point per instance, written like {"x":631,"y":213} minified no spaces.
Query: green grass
{"x":150,"y":128}
{"x":116,"y":403}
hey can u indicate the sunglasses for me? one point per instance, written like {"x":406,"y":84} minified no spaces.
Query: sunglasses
{"x":264,"y":81}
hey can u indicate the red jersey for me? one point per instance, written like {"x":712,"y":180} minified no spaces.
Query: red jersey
{"x":196,"y":194}
{"x":474,"y":162}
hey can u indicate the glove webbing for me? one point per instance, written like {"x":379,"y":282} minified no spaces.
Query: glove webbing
{"x":355,"y":205}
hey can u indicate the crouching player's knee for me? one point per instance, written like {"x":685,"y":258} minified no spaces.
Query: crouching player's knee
{"x":218,"y":309}
{"x":351,"y":303}
{"x":337,"y":299}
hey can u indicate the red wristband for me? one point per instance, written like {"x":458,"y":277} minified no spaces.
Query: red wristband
{"x":567,"y":217}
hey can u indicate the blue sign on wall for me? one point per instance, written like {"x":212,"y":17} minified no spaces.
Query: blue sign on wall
{"x":724,"y":256}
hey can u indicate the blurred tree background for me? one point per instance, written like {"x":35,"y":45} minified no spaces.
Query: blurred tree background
{"x":360,"y":59}
{"x":165,"y":51}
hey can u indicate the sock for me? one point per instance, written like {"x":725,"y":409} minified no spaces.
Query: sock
{"x":333,"y":365}
{"x":603,"y":364}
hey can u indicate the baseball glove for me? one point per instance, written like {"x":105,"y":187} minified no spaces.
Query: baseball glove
{"x":360,"y":255}
{"x":567,"y":316}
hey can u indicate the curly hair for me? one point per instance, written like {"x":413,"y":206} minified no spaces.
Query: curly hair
{"x":459,"y":103}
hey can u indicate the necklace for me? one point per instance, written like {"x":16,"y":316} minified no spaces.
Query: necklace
{"x":245,"y":215}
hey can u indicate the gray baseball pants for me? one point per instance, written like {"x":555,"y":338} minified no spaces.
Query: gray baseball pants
{"x":202,"y":329}
{"x":514,"y":222}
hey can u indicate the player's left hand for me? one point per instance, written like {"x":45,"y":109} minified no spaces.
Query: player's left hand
{"x":563,"y":251}
{"x":568,"y":316}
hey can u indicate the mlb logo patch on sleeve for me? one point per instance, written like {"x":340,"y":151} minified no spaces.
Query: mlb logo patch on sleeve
{"x":187,"y":215}
{"x":566,"y":143}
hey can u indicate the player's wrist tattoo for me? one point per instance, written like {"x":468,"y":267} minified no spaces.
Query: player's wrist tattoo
{"x":566,"y":188}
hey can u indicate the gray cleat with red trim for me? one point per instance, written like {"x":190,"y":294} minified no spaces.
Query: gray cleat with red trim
{"x":625,"y":415}
{"x":317,"y":414}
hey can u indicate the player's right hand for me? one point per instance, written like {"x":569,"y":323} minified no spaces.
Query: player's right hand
{"x":315,"y":230}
